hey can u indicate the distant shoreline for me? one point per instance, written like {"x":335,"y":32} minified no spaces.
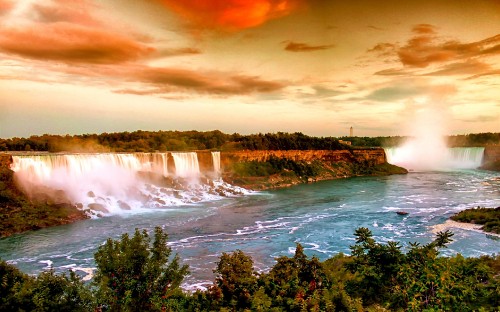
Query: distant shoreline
{"x":449,"y":224}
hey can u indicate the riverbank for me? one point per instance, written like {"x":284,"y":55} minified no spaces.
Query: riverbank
{"x":450,"y":224}
{"x":484,"y":220}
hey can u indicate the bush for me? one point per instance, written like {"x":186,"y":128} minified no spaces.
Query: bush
{"x":135,"y":275}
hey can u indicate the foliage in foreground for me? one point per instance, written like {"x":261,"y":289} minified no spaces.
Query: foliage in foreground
{"x":488,"y":217}
{"x":135,"y":274}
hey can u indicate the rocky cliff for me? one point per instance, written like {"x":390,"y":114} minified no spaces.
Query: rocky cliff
{"x":270,"y":169}
{"x":491,"y":160}
{"x":375,"y":156}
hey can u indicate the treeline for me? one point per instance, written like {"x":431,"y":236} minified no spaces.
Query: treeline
{"x":149,"y":141}
{"x":462,"y":140}
{"x":474,"y":139}
{"x":140,"y":274}
{"x":382,"y":141}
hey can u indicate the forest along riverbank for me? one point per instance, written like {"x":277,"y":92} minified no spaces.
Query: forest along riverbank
{"x":254,"y":170}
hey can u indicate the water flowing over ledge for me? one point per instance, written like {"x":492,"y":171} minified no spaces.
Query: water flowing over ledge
{"x":415,"y":159}
{"x":117,"y":183}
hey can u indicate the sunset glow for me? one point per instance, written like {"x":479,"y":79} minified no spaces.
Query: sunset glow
{"x":318,"y":67}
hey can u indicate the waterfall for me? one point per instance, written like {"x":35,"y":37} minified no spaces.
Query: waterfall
{"x":159,"y":164}
{"x":80,"y":176}
{"x":465,"y":157}
{"x":216,"y":162}
{"x":186,"y":165}
{"x":448,"y":158}
{"x":114,"y":183}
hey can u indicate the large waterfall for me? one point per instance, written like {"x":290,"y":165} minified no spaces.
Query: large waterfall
{"x":448,"y":158}
{"x":114,"y":183}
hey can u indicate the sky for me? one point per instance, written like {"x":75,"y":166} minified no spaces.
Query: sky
{"x":313,"y":66}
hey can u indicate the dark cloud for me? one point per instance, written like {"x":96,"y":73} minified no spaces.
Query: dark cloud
{"x":374,"y":27}
{"x":169,"y":80}
{"x":304,"y":47}
{"x":71,"y":43}
{"x":68,"y":32}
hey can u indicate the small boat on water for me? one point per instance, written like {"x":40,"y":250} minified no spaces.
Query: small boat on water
{"x":402,"y":213}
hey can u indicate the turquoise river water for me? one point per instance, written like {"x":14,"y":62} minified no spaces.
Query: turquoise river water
{"x":322,"y":216}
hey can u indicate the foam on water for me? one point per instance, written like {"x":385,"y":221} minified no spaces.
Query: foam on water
{"x":106,"y":184}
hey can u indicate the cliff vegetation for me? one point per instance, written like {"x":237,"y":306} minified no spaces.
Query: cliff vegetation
{"x":276,"y":172}
{"x":18,"y":213}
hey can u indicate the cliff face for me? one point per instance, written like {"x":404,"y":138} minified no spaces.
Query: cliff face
{"x":374,"y":156}
{"x":491,"y":153}
{"x":271,"y":169}
{"x":5,"y":160}
{"x":491,"y":160}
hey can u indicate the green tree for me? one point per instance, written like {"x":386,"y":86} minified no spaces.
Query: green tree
{"x":236,"y":279}
{"x":46,"y":292}
{"x":376,"y":266}
{"x":135,"y":275}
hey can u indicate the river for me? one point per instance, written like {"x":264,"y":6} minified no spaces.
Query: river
{"x":321,"y":216}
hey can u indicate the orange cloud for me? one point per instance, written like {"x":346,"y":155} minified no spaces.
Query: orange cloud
{"x":70,"y":43}
{"x":231,"y":15}
{"x":78,"y":12}
{"x":5,"y":6}
{"x":304,"y":47}
{"x":425,"y":49}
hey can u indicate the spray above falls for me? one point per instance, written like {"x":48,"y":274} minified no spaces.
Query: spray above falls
{"x":115,"y":183}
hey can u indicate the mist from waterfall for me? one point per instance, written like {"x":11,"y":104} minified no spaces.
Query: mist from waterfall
{"x":451,"y":158}
{"x":117,"y":183}
{"x":426,"y":148}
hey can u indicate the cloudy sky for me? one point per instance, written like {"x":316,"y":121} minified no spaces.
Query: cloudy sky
{"x":314,"y":66}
